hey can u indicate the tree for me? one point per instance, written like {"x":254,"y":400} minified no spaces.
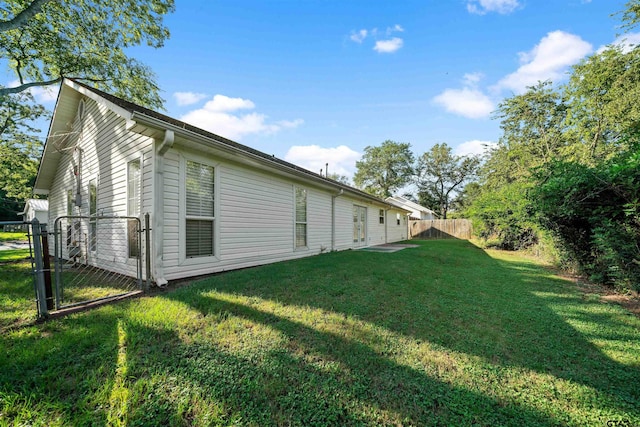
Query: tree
{"x":384,"y":169}
{"x":594,"y":211}
{"x":532,"y":134}
{"x":502,"y":217}
{"x":44,"y":41}
{"x":343,"y":179}
{"x":602,"y":98}
{"x":19,"y":151}
{"x":440,"y":173}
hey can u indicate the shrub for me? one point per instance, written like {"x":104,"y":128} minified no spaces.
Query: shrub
{"x":594,"y":212}
{"x":502,"y":218}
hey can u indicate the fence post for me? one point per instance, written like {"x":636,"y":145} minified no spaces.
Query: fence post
{"x":46,"y":266}
{"x":57,"y":232}
{"x":147,"y":252}
{"x":39,"y":271}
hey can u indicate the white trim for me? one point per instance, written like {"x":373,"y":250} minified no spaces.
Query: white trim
{"x":295,"y":218}
{"x":360,"y":242}
{"x":99,"y":99}
{"x":93,"y":246}
{"x":182,"y":232}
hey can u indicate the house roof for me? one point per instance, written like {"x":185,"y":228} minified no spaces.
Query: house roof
{"x":408,"y":204}
{"x":66,"y":106}
{"x":36,"y":205}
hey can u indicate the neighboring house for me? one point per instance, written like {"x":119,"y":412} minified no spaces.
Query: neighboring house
{"x":417,"y":211}
{"x":214,"y":204}
{"x":36,"y":208}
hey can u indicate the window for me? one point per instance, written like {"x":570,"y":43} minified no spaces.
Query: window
{"x":381,"y":216}
{"x":93,"y":210}
{"x":133,"y":207}
{"x":398,"y":219}
{"x":301,"y":217}
{"x":200,"y":212}
{"x":133,"y":188}
{"x":69,"y":202}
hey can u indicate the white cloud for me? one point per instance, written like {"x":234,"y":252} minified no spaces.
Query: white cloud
{"x":341,"y":159}
{"x":42,"y":94}
{"x":467,"y":102}
{"x":481,"y":7}
{"x":358,"y":36}
{"x":626,"y":42}
{"x":388,"y":46}
{"x":45,"y":94}
{"x":396,"y":28}
{"x":548,"y":60}
{"x":221,"y":103}
{"x":474,"y":148}
{"x":217,"y":116}
{"x":188,"y":98}
{"x":289,"y":124}
{"x":472,"y":79}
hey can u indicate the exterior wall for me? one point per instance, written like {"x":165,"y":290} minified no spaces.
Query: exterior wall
{"x":105,"y":148}
{"x":254,"y":218}
{"x":397,"y":232}
{"x":30,"y":214}
{"x":254,"y":208}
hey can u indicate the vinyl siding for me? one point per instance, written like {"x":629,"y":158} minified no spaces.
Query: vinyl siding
{"x":106,"y":147}
{"x":254,"y":218}
{"x":254,"y":209}
{"x":395,"y":232}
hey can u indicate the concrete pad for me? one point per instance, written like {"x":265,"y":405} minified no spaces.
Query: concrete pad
{"x":388,"y":247}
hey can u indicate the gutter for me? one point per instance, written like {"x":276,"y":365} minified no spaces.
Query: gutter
{"x":157,"y":229}
{"x":160,"y":124}
{"x":333,"y":218}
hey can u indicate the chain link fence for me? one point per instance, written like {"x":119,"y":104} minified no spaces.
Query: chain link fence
{"x":95,"y":258}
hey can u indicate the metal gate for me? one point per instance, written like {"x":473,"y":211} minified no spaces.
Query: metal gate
{"x":95,"y":258}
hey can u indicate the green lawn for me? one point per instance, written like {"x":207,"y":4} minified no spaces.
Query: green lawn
{"x":443,"y":334}
{"x":9,"y":236}
{"x":17,"y":295}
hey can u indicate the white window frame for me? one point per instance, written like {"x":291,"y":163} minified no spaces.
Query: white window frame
{"x":295,"y":218}
{"x":69,"y":197}
{"x":182,"y":227}
{"x":93,"y":223}
{"x":133,"y":210}
{"x":381,"y":216}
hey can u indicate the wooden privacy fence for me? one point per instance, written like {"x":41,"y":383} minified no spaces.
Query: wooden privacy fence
{"x":440,"y":229}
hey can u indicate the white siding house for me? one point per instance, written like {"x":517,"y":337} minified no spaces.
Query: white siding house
{"x":214,"y":204}
{"x":417,"y":211}
{"x":36,"y":208}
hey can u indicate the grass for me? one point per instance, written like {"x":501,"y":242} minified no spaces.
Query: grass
{"x":17,"y":297}
{"x":443,"y":334}
{"x":6,"y":236}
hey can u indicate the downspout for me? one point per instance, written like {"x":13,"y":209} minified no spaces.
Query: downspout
{"x":333,"y":218}
{"x":158,"y":207}
{"x":386,"y":225}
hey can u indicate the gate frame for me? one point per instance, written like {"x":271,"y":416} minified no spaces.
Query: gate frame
{"x":58,"y":259}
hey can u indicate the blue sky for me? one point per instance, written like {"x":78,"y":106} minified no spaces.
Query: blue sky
{"x":315,"y":82}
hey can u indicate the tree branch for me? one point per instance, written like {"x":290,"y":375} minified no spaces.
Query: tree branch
{"x":4,"y":91}
{"x":22,"y":17}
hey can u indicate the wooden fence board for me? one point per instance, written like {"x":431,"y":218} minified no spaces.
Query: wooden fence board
{"x":440,"y":229}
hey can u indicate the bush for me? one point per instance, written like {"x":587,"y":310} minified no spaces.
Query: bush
{"x":594,"y":212}
{"x":502,"y":218}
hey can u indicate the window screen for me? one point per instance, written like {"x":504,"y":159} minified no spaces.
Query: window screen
{"x":200,"y":213}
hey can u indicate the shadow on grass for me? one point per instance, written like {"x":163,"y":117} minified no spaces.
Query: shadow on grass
{"x":55,"y":374}
{"x":449,"y":294}
{"x":17,"y":296}
{"x":281,"y":387}
{"x":455,"y":295}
